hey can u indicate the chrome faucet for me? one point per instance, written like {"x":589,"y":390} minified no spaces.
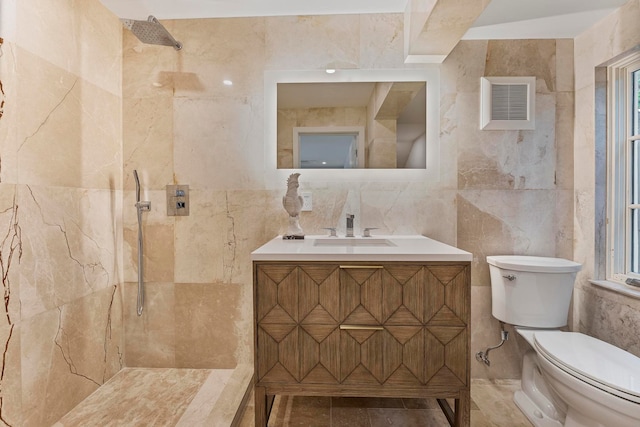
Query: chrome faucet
{"x":350,"y":225}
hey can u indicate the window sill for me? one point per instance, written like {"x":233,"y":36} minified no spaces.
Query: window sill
{"x":618,"y":288}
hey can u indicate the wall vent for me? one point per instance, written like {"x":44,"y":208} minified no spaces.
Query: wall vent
{"x":507,"y":103}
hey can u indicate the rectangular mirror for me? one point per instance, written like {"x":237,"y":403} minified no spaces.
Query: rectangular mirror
{"x":392,"y":115}
{"x":395,"y":114}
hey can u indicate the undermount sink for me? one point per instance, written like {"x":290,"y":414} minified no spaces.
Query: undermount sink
{"x":350,"y":242}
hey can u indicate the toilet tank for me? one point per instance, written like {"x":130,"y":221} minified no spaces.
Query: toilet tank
{"x":531,"y":291}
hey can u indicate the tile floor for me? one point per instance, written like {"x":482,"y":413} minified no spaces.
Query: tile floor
{"x":492,"y":406}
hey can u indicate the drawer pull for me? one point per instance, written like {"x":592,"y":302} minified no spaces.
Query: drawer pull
{"x":360,"y":266}
{"x":361,"y":328}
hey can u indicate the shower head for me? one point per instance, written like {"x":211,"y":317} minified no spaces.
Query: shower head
{"x":151,"y":31}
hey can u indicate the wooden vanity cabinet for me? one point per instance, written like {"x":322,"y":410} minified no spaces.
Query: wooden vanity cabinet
{"x":392,"y":329}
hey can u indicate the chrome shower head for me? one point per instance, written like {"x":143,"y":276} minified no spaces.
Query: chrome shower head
{"x":151,"y":31}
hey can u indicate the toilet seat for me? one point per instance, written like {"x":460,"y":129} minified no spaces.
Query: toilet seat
{"x":582,"y":356}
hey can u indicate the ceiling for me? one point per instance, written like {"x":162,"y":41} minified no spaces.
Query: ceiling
{"x":502,"y":19}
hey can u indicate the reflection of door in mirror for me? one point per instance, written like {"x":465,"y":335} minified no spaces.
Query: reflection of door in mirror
{"x":392,"y":115}
{"x":328,"y":147}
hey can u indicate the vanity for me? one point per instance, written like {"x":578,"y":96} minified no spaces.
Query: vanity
{"x":384,"y":316}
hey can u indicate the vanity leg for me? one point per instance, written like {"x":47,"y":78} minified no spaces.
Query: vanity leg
{"x":463,"y":409}
{"x":260,"y":406}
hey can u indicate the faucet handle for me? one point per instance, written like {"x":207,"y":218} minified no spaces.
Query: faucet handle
{"x":332,"y":231}
{"x":367,"y":231}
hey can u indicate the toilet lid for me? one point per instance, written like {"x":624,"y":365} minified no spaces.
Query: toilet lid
{"x":584,"y":357}
{"x":535,"y":264}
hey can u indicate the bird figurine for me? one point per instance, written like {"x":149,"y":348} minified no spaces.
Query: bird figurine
{"x":292,"y":203}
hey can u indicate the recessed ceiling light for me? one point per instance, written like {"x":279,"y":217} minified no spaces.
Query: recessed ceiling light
{"x":227,"y":82}
{"x":330,"y":70}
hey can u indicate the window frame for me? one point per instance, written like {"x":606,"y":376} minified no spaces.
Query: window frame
{"x":620,"y":104}
{"x":357,"y":131}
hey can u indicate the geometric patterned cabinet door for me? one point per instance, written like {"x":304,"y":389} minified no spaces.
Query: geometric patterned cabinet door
{"x":390,"y":329}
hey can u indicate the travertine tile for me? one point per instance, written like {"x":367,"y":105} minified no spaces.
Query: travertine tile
{"x":64,"y":256}
{"x":11,"y":366}
{"x":524,"y":58}
{"x":238,"y":392}
{"x":408,"y":418}
{"x":61,"y":366}
{"x":206,"y":316}
{"x":495,"y":400}
{"x":150,"y":339}
{"x":132,"y":397}
{"x":63,"y":137}
{"x":148,"y":142}
{"x":381,"y":40}
{"x":9,"y":114}
{"x":495,"y":408}
{"x":83,"y":38}
{"x":301,"y":411}
{"x":564,"y":65}
{"x":510,"y":222}
{"x":564,"y":125}
{"x":148,"y":70}
{"x":207,"y":396}
{"x":212,"y":154}
{"x":238,"y":43}
{"x":602,"y":315}
{"x":158,"y":251}
{"x":334,"y":42}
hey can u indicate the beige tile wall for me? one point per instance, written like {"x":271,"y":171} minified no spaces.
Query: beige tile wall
{"x":60,"y":207}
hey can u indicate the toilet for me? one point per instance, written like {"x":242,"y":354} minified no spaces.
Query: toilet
{"x":568,"y":378}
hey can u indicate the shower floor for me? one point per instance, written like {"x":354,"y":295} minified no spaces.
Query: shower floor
{"x":163,"y":397}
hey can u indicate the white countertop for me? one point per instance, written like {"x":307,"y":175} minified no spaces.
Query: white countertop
{"x":376,"y":248}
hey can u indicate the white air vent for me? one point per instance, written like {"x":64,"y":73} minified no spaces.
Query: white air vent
{"x":507,"y":103}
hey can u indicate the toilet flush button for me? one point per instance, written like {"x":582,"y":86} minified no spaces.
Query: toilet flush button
{"x":538,"y":414}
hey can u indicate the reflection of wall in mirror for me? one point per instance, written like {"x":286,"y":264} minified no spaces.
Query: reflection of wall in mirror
{"x":387,"y":105}
{"x":312,"y":117}
{"x":381,"y":138}
{"x":416,"y":158}
{"x":391,"y":112}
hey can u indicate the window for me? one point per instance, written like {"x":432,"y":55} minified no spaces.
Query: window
{"x":623,"y":116}
{"x":333,"y":147}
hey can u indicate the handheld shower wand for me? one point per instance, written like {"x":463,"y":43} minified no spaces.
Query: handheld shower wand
{"x":140,"y":207}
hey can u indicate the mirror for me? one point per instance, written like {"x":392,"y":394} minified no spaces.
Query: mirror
{"x":342,"y":125}
{"x":405,"y":102}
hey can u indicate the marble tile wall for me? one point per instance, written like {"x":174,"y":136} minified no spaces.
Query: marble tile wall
{"x":608,"y":316}
{"x":513,"y":193}
{"x":499,"y":192}
{"x":60,"y":206}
